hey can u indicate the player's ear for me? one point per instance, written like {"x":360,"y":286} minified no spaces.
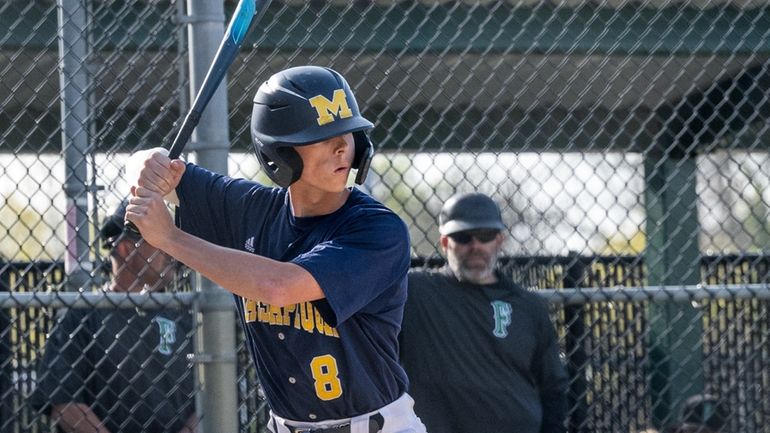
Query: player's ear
{"x":443,"y":241}
{"x":500,"y":239}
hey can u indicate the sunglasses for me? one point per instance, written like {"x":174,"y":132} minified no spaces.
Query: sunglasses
{"x":482,"y":236}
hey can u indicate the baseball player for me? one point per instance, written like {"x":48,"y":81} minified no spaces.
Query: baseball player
{"x":318,"y":269}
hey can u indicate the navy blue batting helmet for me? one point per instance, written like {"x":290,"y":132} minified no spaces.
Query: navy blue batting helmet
{"x":300,"y":106}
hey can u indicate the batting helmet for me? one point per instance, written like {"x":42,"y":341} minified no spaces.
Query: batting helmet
{"x":300,"y":106}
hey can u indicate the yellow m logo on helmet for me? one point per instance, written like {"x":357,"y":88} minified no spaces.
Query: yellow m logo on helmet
{"x":327,"y":109}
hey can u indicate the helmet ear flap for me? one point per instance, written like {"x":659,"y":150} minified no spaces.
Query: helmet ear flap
{"x":282,"y":176}
{"x":291,"y":156}
{"x":363,"y":156}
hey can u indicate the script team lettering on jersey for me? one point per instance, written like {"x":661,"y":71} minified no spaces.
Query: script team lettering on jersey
{"x":303,"y":316}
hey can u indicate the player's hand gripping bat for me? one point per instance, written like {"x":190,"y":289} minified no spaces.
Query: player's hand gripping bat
{"x":246,"y":13}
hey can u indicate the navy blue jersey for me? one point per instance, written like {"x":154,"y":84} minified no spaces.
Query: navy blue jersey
{"x":328,"y":359}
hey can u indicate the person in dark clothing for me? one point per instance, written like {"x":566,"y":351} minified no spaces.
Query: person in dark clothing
{"x":120,"y":370}
{"x":480,"y":351}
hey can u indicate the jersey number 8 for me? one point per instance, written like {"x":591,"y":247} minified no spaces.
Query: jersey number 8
{"x":327,"y":382}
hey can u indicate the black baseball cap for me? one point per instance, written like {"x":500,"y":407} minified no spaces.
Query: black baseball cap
{"x":469,"y":211}
{"x":114,"y":225}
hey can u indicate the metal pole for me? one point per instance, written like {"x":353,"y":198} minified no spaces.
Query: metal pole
{"x":216,"y":349}
{"x":577,"y":358}
{"x":74,"y":84}
{"x":673,"y":259}
{"x":7,"y":397}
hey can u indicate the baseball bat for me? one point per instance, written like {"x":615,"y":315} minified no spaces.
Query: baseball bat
{"x":246,"y":13}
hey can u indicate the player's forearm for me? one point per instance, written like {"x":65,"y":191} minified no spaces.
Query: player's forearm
{"x":77,"y":418}
{"x":245,"y":274}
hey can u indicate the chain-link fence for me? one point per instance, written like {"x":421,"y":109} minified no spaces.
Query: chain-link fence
{"x":625,"y":141}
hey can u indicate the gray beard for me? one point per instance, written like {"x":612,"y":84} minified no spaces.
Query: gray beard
{"x":474,"y":276}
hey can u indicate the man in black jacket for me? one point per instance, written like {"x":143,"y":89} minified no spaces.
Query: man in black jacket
{"x":121,"y":370}
{"x":480,"y":351}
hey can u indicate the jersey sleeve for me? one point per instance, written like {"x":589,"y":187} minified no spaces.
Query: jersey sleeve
{"x":357,"y":266}
{"x":65,"y":366}
{"x":417,"y":294}
{"x":210,"y":203}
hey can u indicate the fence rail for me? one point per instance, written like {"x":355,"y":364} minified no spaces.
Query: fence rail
{"x":604,"y":333}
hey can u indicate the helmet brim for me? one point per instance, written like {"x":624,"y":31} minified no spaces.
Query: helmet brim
{"x":302,"y":139}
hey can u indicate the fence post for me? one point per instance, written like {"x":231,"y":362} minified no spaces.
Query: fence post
{"x":6,"y":390}
{"x":673,"y":258}
{"x":75,"y":118}
{"x":577,"y":359}
{"x":210,"y":141}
